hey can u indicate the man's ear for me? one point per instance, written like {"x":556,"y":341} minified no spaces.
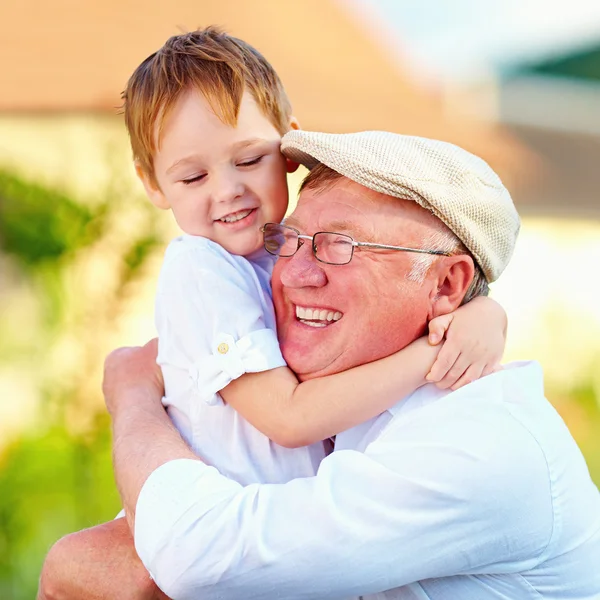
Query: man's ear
{"x":152,"y":190}
{"x":455,"y":274}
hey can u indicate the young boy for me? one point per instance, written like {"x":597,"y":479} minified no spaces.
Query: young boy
{"x":205,"y":115}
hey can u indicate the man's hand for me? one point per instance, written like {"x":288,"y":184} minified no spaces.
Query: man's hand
{"x":132,"y":375}
{"x":143,"y":436}
{"x":101,"y":562}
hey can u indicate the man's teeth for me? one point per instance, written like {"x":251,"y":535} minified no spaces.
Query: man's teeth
{"x":316,"y":317}
{"x":238,"y":216}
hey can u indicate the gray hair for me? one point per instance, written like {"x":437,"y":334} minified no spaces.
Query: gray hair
{"x":447,"y":241}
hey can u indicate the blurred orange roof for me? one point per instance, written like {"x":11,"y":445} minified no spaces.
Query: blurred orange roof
{"x":77,"y":56}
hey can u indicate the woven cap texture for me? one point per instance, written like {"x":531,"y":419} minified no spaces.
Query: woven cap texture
{"x":456,"y":186}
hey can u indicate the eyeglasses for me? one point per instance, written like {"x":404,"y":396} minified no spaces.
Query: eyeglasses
{"x":328,"y":247}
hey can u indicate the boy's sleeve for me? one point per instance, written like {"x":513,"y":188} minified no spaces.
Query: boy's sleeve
{"x":210,"y":316}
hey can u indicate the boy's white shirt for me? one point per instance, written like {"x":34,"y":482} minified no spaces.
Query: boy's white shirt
{"x":215,"y":321}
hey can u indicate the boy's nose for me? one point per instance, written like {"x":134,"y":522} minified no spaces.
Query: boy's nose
{"x":302,"y":269}
{"x":227,"y":188}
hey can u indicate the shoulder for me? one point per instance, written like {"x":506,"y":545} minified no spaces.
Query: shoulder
{"x":188,"y":257}
{"x":502,"y":413}
{"x":193,"y":248}
{"x":484,"y":443}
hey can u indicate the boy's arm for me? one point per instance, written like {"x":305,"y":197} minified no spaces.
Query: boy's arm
{"x":475,"y":336}
{"x":294,"y":414}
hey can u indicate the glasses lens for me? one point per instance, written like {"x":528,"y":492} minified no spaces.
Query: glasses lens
{"x":333,"y":248}
{"x":280,"y":240}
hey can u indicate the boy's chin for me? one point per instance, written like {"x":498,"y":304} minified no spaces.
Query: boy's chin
{"x":245,"y":246}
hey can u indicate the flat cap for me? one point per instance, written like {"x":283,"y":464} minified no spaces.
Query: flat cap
{"x":457,"y":187}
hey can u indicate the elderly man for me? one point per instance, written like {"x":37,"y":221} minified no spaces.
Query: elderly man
{"x":474,"y":494}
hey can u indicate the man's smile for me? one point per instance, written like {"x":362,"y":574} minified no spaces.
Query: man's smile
{"x":317,"y":317}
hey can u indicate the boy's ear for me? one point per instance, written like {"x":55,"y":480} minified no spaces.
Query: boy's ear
{"x":455,"y":274}
{"x":152,"y":191}
{"x":291,"y":166}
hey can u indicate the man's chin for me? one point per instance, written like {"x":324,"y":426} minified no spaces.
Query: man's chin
{"x":307,"y":363}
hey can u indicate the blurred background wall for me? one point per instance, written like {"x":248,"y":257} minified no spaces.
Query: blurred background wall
{"x":517,"y":82}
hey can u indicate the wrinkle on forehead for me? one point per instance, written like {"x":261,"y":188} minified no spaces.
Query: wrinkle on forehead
{"x":366,"y":215}
{"x":337,"y":225}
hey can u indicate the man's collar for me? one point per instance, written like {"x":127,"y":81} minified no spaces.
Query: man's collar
{"x":521,"y":374}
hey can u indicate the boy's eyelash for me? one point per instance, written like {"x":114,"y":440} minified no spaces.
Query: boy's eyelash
{"x":248,"y":163}
{"x":193,"y":179}
{"x":251,"y":162}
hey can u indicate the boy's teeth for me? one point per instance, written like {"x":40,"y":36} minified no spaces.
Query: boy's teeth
{"x":238,"y":216}
{"x":310,"y":316}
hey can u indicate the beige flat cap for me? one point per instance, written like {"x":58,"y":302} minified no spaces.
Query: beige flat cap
{"x":456,"y":186}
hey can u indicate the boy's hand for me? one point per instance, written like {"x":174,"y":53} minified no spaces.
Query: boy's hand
{"x":475,"y":338}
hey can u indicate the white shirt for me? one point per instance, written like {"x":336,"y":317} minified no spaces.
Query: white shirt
{"x":474,"y":495}
{"x":215,"y":321}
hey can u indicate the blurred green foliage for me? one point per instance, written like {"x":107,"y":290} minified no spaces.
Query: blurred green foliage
{"x":38,"y":225}
{"x":52,"y":483}
{"x":57,"y":478}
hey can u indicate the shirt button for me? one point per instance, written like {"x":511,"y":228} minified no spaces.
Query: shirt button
{"x":223,"y":348}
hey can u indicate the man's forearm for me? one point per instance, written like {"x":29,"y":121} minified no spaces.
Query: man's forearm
{"x":143,"y":439}
{"x":96,"y":564}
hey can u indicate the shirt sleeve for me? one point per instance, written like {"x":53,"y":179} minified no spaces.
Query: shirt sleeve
{"x":473,"y":498}
{"x":210,"y":316}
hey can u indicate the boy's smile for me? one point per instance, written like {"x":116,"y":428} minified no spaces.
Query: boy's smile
{"x":221,"y":182}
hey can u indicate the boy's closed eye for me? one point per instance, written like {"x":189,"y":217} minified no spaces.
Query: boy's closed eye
{"x":245,"y":163}
{"x":250,"y":162}
{"x":193,"y":179}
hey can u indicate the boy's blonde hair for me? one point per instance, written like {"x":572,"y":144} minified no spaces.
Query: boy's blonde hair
{"x":219,"y":66}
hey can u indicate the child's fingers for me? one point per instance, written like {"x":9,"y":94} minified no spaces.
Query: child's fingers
{"x":474,"y":372}
{"x":456,"y":371}
{"x":444,"y":362}
{"x":438,"y":328}
{"x":489,"y":369}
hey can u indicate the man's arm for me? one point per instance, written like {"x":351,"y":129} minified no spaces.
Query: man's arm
{"x":97,"y":564}
{"x":413,"y":506}
{"x":144,"y":438}
{"x":101,"y":563}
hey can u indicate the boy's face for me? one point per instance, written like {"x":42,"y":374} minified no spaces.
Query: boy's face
{"x":221,"y":182}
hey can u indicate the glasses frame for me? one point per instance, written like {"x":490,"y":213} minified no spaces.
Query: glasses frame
{"x":355,"y":244}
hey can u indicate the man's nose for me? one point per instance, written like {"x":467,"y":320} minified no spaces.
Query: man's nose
{"x":302,"y":269}
{"x":227,"y":186}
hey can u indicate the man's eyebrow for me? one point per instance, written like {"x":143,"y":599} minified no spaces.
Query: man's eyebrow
{"x":353,"y":229}
{"x":291,"y":222}
{"x":339,"y":226}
